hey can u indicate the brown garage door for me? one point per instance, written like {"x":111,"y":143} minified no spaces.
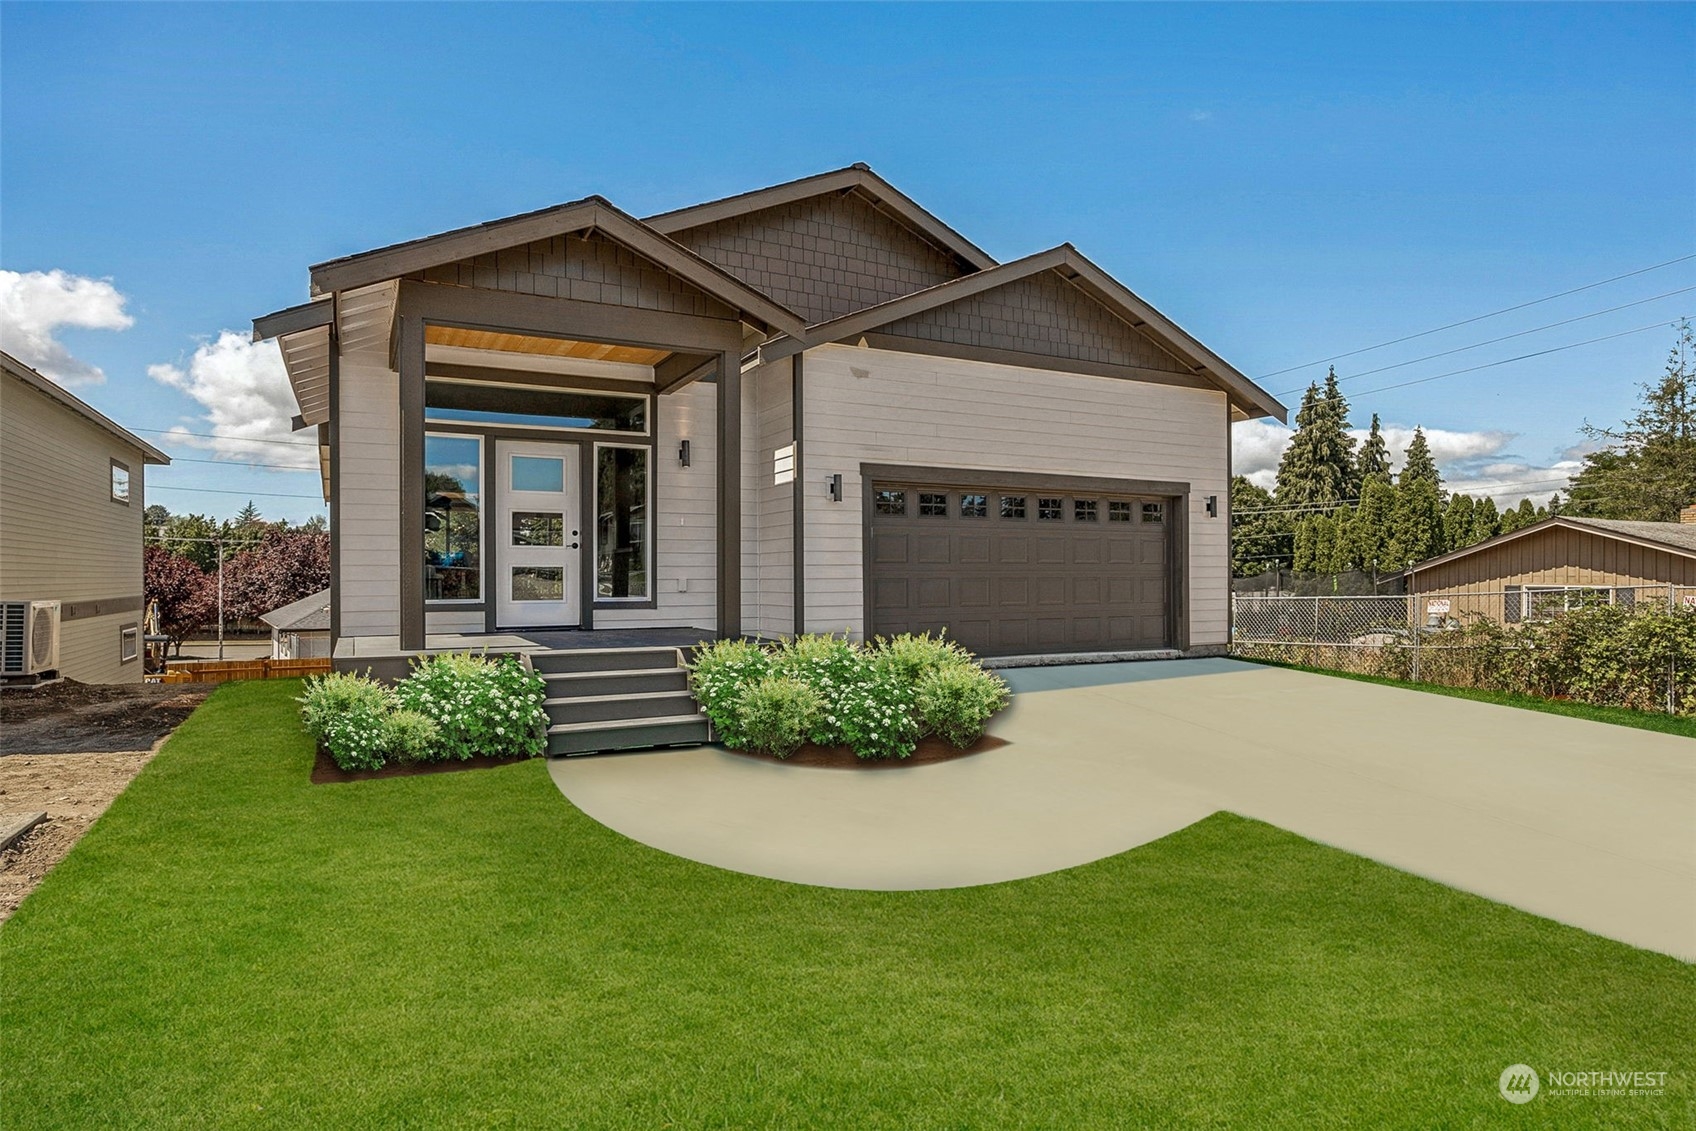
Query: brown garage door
{"x":1010,"y":571}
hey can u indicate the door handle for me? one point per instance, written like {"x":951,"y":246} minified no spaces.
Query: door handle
{"x":574,"y":545}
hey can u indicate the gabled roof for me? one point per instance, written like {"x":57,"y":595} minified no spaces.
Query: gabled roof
{"x":592,"y":212}
{"x":305,"y":615}
{"x":1672,"y":537}
{"x":857,"y":176}
{"x":1072,"y":265}
{"x":42,"y":384}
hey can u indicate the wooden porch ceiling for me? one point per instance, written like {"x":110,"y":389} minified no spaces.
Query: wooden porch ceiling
{"x":538,"y":346}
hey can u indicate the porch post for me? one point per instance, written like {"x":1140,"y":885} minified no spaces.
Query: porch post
{"x":410,"y":354}
{"x":729,"y":495}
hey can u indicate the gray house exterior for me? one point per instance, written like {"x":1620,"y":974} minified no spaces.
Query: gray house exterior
{"x":72,"y":492}
{"x":814,"y":407}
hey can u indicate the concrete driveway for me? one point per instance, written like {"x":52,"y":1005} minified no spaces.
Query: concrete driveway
{"x":1590,"y":824}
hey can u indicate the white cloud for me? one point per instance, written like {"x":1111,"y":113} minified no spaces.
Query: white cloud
{"x":36,"y":304}
{"x":1201,"y":115}
{"x":244,"y":390}
{"x":1475,"y":463}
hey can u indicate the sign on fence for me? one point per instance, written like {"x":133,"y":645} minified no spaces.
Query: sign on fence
{"x":1441,"y":605}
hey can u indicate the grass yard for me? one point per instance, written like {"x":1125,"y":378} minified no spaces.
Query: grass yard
{"x":231,"y":946}
{"x":1619,"y":716}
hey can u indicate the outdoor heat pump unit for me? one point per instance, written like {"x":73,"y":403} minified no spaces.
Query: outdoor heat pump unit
{"x":29,"y":637}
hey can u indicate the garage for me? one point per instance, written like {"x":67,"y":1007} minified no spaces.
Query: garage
{"x":1022,"y":565}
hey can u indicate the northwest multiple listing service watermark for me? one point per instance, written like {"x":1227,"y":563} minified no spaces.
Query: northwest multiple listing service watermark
{"x":1520,"y":1083}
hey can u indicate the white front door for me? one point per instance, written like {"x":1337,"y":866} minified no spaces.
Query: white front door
{"x":539,"y":532}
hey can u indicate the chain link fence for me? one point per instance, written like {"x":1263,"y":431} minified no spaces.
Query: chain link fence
{"x":1468,"y":638}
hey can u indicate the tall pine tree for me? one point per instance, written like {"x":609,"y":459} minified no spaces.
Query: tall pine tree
{"x":1374,"y":459}
{"x":1419,"y":464}
{"x":1318,"y":466}
{"x":1647,"y":471}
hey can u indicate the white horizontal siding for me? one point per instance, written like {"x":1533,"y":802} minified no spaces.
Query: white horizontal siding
{"x":685,"y":517}
{"x":768,"y":595}
{"x":89,"y":649}
{"x":368,"y":510}
{"x":878,"y":406}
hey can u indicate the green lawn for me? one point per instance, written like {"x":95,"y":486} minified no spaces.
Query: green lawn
{"x":231,"y":946}
{"x":1619,"y":716}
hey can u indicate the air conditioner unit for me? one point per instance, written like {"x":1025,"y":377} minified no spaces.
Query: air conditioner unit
{"x":29,"y":637}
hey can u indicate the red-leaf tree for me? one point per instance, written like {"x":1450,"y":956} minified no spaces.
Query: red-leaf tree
{"x":286,"y":566}
{"x":187,"y":599}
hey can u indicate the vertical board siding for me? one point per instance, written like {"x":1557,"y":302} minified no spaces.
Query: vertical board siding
{"x":1557,"y":555}
{"x":878,"y":406}
{"x":369,"y":464}
{"x":64,"y":539}
{"x":685,"y":517}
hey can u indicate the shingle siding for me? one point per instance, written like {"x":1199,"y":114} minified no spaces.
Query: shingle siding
{"x":588,"y":268}
{"x":825,"y":256}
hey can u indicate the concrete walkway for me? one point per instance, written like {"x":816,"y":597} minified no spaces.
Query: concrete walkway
{"x":1586,"y":823}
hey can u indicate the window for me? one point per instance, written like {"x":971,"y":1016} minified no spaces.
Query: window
{"x":621,"y":523}
{"x":538,"y":528}
{"x":453,"y":518}
{"x":933,"y":505}
{"x":1513,"y":610}
{"x":974,"y":506}
{"x":1084,"y":510}
{"x":1545,"y":602}
{"x":120,"y":483}
{"x":1049,"y":510}
{"x":532,"y":406}
{"x":538,"y":473}
{"x":1154,"y":512}
{"x":889,"y":502}
{"x":129,"y":643}
{"x":1118,"y":511}
{"x":538,"y":583}
{"x":1012,"y":506}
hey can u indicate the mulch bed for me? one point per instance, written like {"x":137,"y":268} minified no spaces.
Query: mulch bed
{"x":930,"y":750}
{"x":67,"y":717}
{"x":325,"y":770}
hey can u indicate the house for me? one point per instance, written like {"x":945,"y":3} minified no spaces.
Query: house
{"x":1560,"y":563}
{"x":812,"y":407}
{"x":300,"y":630}
{"x":72,"y":493}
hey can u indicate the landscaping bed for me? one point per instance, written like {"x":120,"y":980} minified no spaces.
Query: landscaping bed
{"x":326,"y":772}
{"x":929,"y":751}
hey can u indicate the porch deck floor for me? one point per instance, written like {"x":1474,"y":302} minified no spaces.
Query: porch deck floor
{"x":525,"y":640}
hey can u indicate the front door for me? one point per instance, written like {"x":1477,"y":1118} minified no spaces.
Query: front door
{"x":538,"y":528}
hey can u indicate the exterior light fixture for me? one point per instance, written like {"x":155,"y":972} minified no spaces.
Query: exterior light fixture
{"x":834,"y":483}
{"x":683,"y":453}
{"x":1213,"y":506}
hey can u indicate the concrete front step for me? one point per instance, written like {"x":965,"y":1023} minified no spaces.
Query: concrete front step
{"x":565,"y":660}
{"x":628,"y":705}
{"x":573,"y":685}
{"x":627,"y":734}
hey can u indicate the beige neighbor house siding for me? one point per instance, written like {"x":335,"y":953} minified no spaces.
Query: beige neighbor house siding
{"x":768,"y":528}
{"x":878,"y":406}
{"x":685,"y":517}
{"x":62,"y":538}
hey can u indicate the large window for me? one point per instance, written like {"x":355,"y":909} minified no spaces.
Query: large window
{"x":527,"y":406}
{"x":453,"y":518}
{"x":621,"y":523}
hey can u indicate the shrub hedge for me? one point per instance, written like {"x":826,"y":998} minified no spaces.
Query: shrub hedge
{"x":879,"y":699}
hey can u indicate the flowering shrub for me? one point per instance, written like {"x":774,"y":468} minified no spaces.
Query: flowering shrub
{"x":777,"y":714}
{"x":479,"y":706}
{"x":722,"y":672}
{"x":955,"y":701}
{"x":838,"y":693}
{"x":451,"y":706}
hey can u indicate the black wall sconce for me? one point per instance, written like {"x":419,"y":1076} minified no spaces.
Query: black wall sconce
{"x":1213,"y":506}
{"x":835,"y":485}
{"x":683,"y":453}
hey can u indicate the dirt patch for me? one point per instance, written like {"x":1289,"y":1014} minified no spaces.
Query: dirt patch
{"x":67,"y":717}
{"x":325,"y":770}
{"x":72,"y":789}
{"x":929,"y":750}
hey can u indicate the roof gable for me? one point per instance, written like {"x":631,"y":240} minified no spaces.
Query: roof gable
{"x":825,"y":255}
{"x":69,"y":400}
{"x":1670,"y":537}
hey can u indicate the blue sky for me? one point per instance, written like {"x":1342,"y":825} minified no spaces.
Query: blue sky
{"x":1289,"y":183}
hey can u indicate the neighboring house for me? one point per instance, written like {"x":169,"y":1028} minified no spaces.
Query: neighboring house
{"x":300,"y":630}
{"x":72,"y":493}
{"x":1562,"y":562}
{"x":813,"y":407}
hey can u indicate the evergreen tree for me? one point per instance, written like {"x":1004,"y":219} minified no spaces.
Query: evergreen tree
{"x":1647,"y":471}
{"x":1457,"y":521}
{"x":1318,"y":466}
{"x":1374,"y":459}
{"x":1486,"y":523}
{"x":1416,"y":523}
{"x":1517,"y":518}
{"x":1260,"y":540}
{"x":247,"y":516}
{"x":1371,"y":526}
{"x":1418,"y":463}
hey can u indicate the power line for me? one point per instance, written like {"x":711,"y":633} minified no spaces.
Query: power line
{"x":231,"y":491}
{"x":1479,"y":318}
{"x":244,"y":463}
{"x":1503,"y":338}
{"x":1510,"y":360}
{"x":218,"y":436}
